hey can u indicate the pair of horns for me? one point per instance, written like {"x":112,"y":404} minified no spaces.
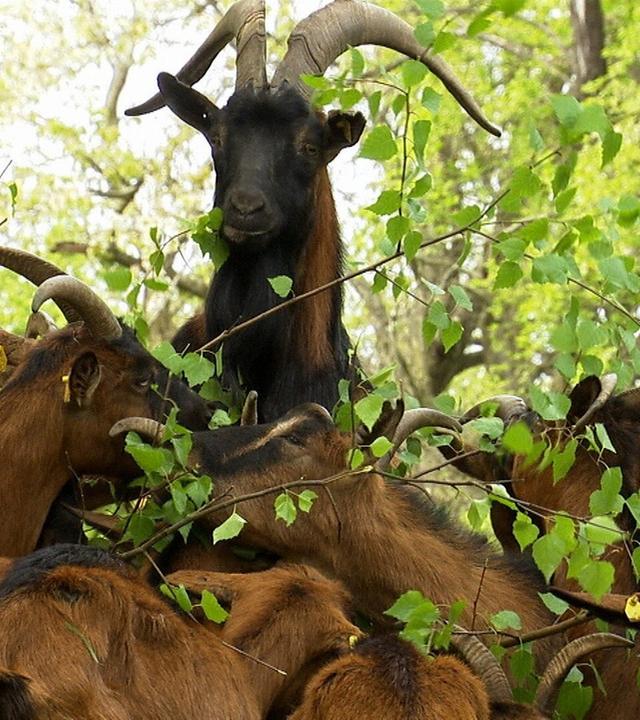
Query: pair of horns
{"x":315,"y":43}
{"x":488,"y":669}
{"x":77,"y":301}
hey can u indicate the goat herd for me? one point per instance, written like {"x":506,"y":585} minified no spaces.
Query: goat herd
{"x":86,"y":636}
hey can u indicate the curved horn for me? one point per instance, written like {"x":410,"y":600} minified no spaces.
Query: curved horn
{"x":485,"y":666}
{"x":324,"y":35}
{"x":151,"y":429}
{"x":244,"y":21}
{"x":565,"y":659}
{"x":36,"y":270}
{"x":250,"y":409}
{"x":413,"y":420}
{"x":95,"y":313}
{"x":509,"y":407}
{"x":38,"y":325}
{"x":608,"y":385}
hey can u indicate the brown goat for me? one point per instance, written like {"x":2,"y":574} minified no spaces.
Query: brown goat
{"x":97,"y":643}
{"x":372,"y":535}
{"x":58,"y":406}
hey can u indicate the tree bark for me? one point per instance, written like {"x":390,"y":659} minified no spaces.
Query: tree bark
{"x":587,"y":20}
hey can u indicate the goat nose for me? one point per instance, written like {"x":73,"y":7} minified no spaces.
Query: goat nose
{"x":247,"y":202}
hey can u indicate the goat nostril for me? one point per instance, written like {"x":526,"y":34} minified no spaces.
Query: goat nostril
{"x":247,"y":203}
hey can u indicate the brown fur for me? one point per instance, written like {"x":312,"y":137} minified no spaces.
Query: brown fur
{"x":99,"y":645}
{"x":392,"y":680}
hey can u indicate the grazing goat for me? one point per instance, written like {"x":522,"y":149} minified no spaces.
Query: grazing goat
{"x":61,"y":400}
{"x":372,"y":535}
{"x":271,"y":149}
{"x":95,"y":642}
{"x":387,"y":677}
{"x":592,"y":401}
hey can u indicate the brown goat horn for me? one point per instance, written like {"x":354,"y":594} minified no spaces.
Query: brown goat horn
{"x":148,"y":428}
{"x":324,"y":35}
{"x":563,"y":661}
{"x":36,"y":270}
{"x":608,"y":385}
{"x":250,"y":409}
{"x":244,"y":21}
{"x":95,"y":313}
{"x":484,"y":665}
{"x":413,"y":420}
{"x":509,"y":407}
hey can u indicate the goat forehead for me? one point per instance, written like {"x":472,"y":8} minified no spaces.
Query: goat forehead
{"x":287,"y":106}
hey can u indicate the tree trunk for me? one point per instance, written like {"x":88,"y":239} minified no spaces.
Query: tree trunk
{"x":587,"y":20}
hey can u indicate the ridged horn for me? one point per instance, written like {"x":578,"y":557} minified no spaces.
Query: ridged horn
{"x":244,"y":22}
{"x":148,"y":428}
{"x":484,"y":665}
{"x":413,"y":420}
{"x":36,"y":270}
{"x":250,"y":409}
{"x":607,"y":385}
{"x":324,"y":35}
{"x":93,"y":311}
{"x":509,"y":407}
{"x":565,"y":659}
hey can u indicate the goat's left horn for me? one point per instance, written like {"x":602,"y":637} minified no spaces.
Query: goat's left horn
{"x":607,"y":386}
{"x":324,"y":35}
{"x":561,"y":664}
{"x":95,"y":313}
{"x":509,"y":407}
{"x":413,"y":420}
{"x":250,"y":409}
{"x":151,"y":429}
{"x":244,"y":21}
{"x":484,"y":665}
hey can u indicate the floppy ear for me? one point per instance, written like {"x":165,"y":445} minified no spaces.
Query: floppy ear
{"x":188,"y":104}
{"x":83,"y":379}
{"x":583,"y":396}
{"x":344,"y":130}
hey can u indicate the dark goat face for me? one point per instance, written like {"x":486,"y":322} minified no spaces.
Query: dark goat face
{"x":267,"y":150}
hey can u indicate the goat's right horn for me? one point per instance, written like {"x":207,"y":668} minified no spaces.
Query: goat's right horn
{"x":509,"y":407}
{"x":250,"y":409}
{"x":244,"y":21}
{"x":147,"y":427}
{"x":413,"y":420}
{"x":95,"y":313}
{"x":484,"y":665}
{"x":563,"y":661}
{"x":36,"y":270}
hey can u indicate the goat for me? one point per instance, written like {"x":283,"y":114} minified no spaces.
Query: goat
{"x":61,"y":400}
{"x":592,"y":401}
{"x":271,"y":149}
{"x":94,"y":641}
{"x":370,"y":534}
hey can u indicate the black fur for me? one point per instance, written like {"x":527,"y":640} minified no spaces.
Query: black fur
{"x":27,"y":571}
{"x":15,"y":700}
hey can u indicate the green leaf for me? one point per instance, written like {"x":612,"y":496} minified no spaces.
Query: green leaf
{"x":285,"y":508}
{"x":165,"y":354}
{"x":467,"y":216}
{"x":421,"y":186}
{"x":550,"y":268}
{"x":509,"y":7}
{"x":451,"y":335}
{"x":611,"y":144}
{"x":432,"y":8}
{"x":425,"y":34}
{"x":397,"y":226}
{"x":306,"y":499}
{"x":380,"y":446}
{"x":387,"y":203}
{"x":608,"y":500}
{"x":379,"y":144}
{"x":411,"y":244}
{"x":508,"y":275}
{"x":181,"y":596}
{"x":356,"y":458}
{"x":597,"y":578}
{"x":118,"y":279}
{"x":368,"y":409}
{"x":197,"y":368}
{"x":411,"y":603}
{"x":421,"y":130}
{"x":140,"y":528}
{"x":212,"y":609}
{"x":413,"y":72}
{"x":524,"y":182}
{"x":601,"y":531}
{"x":492,"y":427}
{"x":506,"y":619}
{"x":566,"y":108}
{"x":524,"y":530}
{"x":431,"y":100}
{"x":478,"y":512}
{"x":593,"y":119}
{"x":459,"y":294}
{"x":563,"y":200}
{"x":443,"y":42}
{"x":357,"y":62}
{"x":553,"y":603}
{"x":478,"y":25}
{"x":13,"y":191}
{"x":438,"y":316}
{"x":281,"y":285}
{"x":373,"y":101}
{"x":548,"y":552}
{"x":150,"y":459}
{"x":518,"y":439}
{"x":230,"y":528}
{"x":563,"y":461}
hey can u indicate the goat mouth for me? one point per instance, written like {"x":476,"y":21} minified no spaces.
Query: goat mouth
{"x":238,"y":236}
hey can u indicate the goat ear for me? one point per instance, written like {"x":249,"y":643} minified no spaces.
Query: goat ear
{"x":583,"y":396}
{"x":188,"y":104}
{"x":344,"y":130}
{"x":83,"y":379}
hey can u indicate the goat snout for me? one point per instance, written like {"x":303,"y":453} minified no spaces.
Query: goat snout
{"x":247,"y":202}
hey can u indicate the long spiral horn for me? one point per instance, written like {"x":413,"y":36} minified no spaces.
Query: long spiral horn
{"x":484,"y":665}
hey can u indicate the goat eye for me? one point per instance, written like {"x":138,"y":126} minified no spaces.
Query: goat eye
{"x":142,"y":384}
{"x":311,"y":150}
{"x":294,"y":440}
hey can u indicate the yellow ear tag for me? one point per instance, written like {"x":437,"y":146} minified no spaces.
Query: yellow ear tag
{"x":353,"y":641}
{"x":3,"y":359}
{"x":632,"y":608}
{"x":66,"y":398}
